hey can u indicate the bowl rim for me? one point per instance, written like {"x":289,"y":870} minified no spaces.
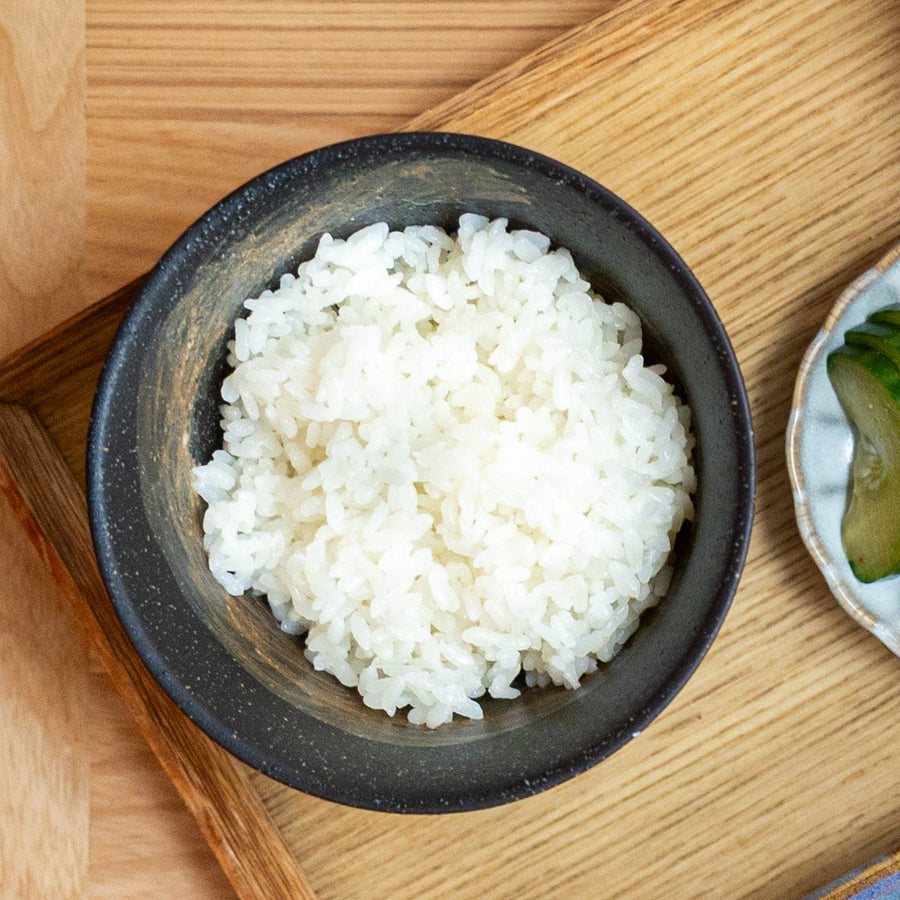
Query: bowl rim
{"x":485,"y":148}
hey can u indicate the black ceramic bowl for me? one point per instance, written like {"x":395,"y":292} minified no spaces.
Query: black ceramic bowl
{"x":223,"y":659}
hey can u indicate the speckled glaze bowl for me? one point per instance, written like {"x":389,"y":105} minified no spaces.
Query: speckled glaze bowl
{"x":819,"y":451}
{"x":223,"y":659}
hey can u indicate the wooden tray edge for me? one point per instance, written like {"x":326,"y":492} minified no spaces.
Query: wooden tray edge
{"x":26,"y":372}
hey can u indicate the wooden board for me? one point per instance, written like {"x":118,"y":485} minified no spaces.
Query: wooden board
{"x":45,"y":758}
{"x":42,"y":175}
{"x":761,"y":138}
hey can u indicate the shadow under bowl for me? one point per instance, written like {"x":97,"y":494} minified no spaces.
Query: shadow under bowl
{"x":224,"y":659}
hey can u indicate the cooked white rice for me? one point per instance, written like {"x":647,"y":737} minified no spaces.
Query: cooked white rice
{"x":446,"y":461}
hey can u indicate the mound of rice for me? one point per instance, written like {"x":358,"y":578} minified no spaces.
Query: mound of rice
{"x":446,"y":461}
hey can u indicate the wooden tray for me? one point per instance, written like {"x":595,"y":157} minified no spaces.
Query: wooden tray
{"x":762,"y":139}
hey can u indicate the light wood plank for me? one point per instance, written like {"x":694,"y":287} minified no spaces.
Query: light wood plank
{"x":44,"y":748}
{"x":44,"y":744}
{"x":42,"y":165}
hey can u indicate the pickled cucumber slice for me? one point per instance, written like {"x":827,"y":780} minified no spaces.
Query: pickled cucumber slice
{"x":881,"y":336}
{"x":867,"y":384}
{"x":889,"y":315}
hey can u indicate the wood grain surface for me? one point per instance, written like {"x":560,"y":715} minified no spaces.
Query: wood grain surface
{"x":42,"y":165}
{"x":761,"y":138}
{"x":45,"y":753}
{"x":188,"y":99}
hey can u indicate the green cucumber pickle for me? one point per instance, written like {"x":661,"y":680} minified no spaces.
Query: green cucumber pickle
{"x":867,"y":384}
{"x":888,"y":315}
{"x":881,"y":336}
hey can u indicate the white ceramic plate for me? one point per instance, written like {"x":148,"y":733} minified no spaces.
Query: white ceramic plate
{"x":819,"y":450}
